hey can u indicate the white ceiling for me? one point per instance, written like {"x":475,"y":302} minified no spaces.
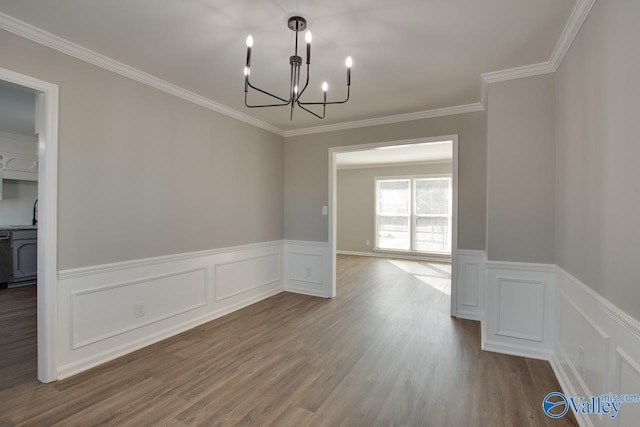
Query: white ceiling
{"x":409,"y":55}
{"x":440,"y":151}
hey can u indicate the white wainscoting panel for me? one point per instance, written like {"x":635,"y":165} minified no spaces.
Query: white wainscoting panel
{"x":583,"y":345}
{"x":596,"y":349}
{"x":471,"y":284}
{"x":519,"y":309}
{"x":236,"y":277}
{"x":102,"y":312}
{"x":307,"y":268}
{"x":627,"y":382}
{"x":99,"y":316}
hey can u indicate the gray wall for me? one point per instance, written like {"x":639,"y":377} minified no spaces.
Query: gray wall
{"x":306,"y":173}
{"x":521,"y":170}
{"x":598,"y":178}
{"x":356,"y":201}
{"x":16,"y":206}
{"x":17,"y":110}
{"x":143,"y":173}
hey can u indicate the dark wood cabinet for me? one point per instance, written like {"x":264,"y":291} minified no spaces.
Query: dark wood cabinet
{"x":22,"y":258}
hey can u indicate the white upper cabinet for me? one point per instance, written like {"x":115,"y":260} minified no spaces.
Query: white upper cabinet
{"x":18,"y":157}
{"x":19,"y":166}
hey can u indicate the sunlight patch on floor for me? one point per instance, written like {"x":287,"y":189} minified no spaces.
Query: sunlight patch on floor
{"x":442,"y":285}
{"x":438,"y":276}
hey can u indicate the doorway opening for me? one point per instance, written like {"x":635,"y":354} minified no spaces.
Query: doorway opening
{"x":29,"y":171}
{"x":397,"y":200}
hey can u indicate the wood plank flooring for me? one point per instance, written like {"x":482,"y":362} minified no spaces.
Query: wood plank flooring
{"x":385,"y":352}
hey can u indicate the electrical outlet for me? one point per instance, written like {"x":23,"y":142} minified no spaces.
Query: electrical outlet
{"x":367,"y":243}
{"x":308,"y":272}
{"x":581,"y":358}
{"x":139,"y":309}
{"x":325,"y":210}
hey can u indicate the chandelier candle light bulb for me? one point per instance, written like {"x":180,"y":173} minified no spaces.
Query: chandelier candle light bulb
{"x":249,"y":45}
{"x":308,"y":37}
{"x":297,"y":24}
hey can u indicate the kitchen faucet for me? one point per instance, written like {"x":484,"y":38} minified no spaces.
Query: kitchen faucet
{"x":34,"y":221}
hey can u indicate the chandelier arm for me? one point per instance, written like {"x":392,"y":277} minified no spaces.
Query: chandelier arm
{"x":327,"y":103}
{"x":246,"y":103}
{"x":267,"y":93}
{"x":309,"y":111}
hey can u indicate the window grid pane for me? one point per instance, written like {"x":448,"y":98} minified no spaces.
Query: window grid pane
{"x":432,"y":196}
{"x":394,"y":197}
{"x":393,"y":232}
{"x":432,"y":234}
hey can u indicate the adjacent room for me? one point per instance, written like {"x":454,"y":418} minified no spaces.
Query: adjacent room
{"x":18,"y":233}
{"x":304,"y":213}
{"x":396,"y":202}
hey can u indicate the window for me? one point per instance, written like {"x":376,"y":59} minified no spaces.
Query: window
{"x":414,"y":214}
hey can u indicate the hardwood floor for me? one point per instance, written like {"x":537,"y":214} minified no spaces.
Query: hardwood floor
{"x":18,"y":340}
{"x":385,"y":352}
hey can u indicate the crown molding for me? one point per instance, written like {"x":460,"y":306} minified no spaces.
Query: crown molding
{"x":518,"y":72}
{"x":572,"y":27}
{"x":512,"y":74}
{"x":45,"y":38}
{"x":428,"y":114}
{"x":579,"y":14}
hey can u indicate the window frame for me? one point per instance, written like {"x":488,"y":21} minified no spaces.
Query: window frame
{"x":412,"y":213}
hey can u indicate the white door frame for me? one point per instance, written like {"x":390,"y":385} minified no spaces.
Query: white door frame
{"x":333,"y":194}
{"x":47,"y":124}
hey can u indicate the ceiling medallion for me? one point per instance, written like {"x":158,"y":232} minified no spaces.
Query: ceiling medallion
{"x":297,"y":24}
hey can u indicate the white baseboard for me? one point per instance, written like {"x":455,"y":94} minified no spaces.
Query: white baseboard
{"x":516,"y":350}
{"x":306,"y":291}
{"x":426,"y":258}
{"x":469,"y":315}
{"x":97,"y":306}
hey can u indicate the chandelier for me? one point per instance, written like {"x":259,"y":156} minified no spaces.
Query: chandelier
{"x":297,"y":24}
